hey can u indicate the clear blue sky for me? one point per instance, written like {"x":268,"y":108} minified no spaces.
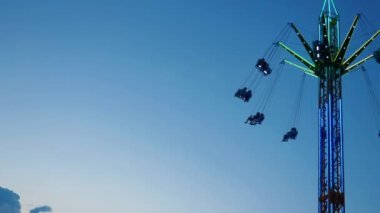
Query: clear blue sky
{"x":127,"y":106}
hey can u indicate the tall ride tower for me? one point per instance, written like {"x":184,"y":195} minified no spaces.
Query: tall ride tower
{"x":329,"y":63}
{"x":330,"y":70}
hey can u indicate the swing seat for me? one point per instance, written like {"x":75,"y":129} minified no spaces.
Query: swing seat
{"x":292,"y":134}
{"x":258,"y":118}
{"x":244,"y":94}
{"x":263,"y":66}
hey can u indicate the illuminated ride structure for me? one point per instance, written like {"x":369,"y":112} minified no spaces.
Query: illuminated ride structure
{"x":328,"y":62}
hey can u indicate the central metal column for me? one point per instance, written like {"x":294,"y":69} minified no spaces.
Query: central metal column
{"x":331,"y":171}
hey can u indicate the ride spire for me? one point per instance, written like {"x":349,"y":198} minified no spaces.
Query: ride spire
{"x":329,"y":9}
{"x":328,"y":64}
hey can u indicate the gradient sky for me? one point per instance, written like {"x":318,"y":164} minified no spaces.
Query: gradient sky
{"x":127,"y":106}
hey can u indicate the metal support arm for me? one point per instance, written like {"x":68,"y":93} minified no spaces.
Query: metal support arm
{"x":343,"y":49}
{"x":305,"y":70}
{"x":357,"y":53}
{"x":304,"y":42}
{"x":357,"y":64}
{"x":297,"y":56}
